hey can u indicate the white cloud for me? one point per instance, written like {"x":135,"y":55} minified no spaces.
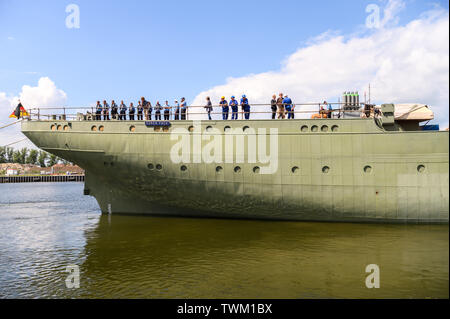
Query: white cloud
{"x":44,"y":94}
{"x":10,"y":38}
{"x":407,"y":63}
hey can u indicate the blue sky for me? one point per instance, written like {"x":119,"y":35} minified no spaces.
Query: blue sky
{"x":163,"y":49}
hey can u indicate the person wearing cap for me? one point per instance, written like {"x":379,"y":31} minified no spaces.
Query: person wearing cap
{"x":176,"y":105}
{"x":234,"y":108}
{"x":245,"y":107}
{"x":280,"y":106}
{"x":167,"y":109}
{"x":131,"y":111}
{"x":273,"y":106}
{"x":183,"y":108}
{"x":287,"y":102}
{"x":208,"y":107}
{"x":225,"y":108}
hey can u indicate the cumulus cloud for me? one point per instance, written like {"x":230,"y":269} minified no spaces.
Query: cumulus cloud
{"x":44,"y":94}
{"x":407,"y":63}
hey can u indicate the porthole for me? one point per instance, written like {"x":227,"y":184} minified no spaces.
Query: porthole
{"x":101,"y":128}
{"x":191,"y":128}
{"x":295,"y":169}
{"x":219,"y":169}
{"x":335,"y":128}
{"x":325,"y":169}
{"x":237,"y":169}
{"x":156,"y":128}
{"x":60,"y":128}
{"x":66,"y":127}
{"x":53,"y":127}
{"x":150,"y":166}
{"x":367,"y":169}
{"x":105,"y":163}
{"x":245,"y":128}
{"x":183,"y":168}
{"x":256,"y":169}
{"x":324,"y":128}
{"x":209,"y":128}
{"x":132,"y":128}
{"x":93,"y":128}
{"x":165,"y":129}
{"x":314,"y":128}
{"x":304,"y":128}
{"x":421,"y":168}
{"x":227,"y":129}
{"x":158,"y":167}
{"x":112,"y":163}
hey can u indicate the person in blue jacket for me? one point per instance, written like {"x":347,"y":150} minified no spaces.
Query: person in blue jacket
{"x":183,"y":108}
{"x":167,"y":109}
{"x":131,"y":111}
{"x":140,"y":110}
{"x":234,"y":108}
{"x":105,"y":111}
{"x":98,"y":111}
{"x":288,"y":106}
{"x":245,"y":107}
{"x":123,"y":111}
{"x":225,"y":108}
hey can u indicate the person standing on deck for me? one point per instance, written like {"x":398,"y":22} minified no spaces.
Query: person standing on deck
{"x":225,"y":108}
{"x":123,"y":111}
{"x":287,"y":102}
{"x":114,"y":109}
{"x":234,"y":108}
{"x":177,"y":110}
{"x":183,"y":108}
{"x":146,"y":106}
{"x":280,"y":106}
{"x":329,"y":109}
{"x":208,"y":107}
{"x":140,"y":110}
{"x":273,"y":106}
{"x":98,"y":111}
{"x":167,"y":109}
{"x":158,"y":111}
{"x":131,"y":111}
{"x":105,"y":111}
{"x":245,"y":107}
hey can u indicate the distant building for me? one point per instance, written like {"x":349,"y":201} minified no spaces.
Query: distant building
{"x":11,"y":172}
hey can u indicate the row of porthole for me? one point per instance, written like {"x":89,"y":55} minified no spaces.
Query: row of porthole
{"x":155,"y":128}
{"x":151,"y":166}
{"x":304,"y":128}
{"x":295,"y":169}
{"x":55,"y":127}
{"x":94,"y":128}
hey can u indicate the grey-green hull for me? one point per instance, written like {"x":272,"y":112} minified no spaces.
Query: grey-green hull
{"x":373,"y":175}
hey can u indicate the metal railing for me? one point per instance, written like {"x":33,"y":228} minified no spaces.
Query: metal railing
{"x":315,"y":110}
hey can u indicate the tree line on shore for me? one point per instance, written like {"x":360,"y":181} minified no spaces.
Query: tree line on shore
{"x":29,"y":156}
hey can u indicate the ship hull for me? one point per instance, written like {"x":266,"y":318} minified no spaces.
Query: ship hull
{"x":357,"y":172}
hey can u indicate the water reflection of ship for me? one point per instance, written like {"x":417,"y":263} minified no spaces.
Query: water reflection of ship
{"x":150,"y":257}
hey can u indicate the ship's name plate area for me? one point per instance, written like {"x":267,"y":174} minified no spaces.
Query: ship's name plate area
{"x":157,"y":123}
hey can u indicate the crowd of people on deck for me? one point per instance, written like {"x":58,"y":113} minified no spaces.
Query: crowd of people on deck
{"x":281,"y":107}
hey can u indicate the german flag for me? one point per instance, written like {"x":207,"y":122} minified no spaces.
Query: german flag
{"x":19,"y":112}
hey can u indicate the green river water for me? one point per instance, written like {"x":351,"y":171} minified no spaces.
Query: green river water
{"x":44,"y":227}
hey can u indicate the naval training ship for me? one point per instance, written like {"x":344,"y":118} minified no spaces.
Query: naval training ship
{"x":385,"y":168}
